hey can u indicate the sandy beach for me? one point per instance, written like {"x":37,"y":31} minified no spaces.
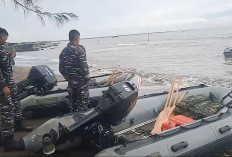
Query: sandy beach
{"x":21,"y":73}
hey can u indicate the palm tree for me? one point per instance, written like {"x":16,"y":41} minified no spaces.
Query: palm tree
{"x":30,"y":6}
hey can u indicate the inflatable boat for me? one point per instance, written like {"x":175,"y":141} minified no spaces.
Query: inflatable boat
{"x":45,"y":97}
{"x":198,"y":138}
{"x":130,"y":134}
{"x":66,"y":131}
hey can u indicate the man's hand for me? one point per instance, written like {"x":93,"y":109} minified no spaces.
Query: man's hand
{"x":6,"y":91}
{"x":13,"y":54}
{"x":88,"y":80}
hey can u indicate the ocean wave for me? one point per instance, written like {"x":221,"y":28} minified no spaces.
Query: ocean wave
{"x":126,"y":44}
{"x":55,"y":60}
{"x":134,"y":44}
{"x":35,"y":59}
{"x":224,"y":37}
{"x":159,"y":80}
{"x":28,"y":57}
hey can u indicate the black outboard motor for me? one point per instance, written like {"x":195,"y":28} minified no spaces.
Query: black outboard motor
{"x":40,"y":79}
{"x":113,"y":107}
{"x":115,"y":104}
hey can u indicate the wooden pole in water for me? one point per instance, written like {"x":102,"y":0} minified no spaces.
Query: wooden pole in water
{"x":148,"y":34}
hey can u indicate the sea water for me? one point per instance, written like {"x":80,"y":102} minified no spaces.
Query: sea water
{"x":194,"y":55}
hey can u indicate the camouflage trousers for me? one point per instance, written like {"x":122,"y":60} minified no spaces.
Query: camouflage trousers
{"x":7,"y":116}
{"x":78,"y":98}
{"x":16,"y":100}
{"x":10,"y":110}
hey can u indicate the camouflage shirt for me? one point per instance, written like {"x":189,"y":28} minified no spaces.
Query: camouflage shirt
{"x":73,"y":64}
{"x":5,"y":68}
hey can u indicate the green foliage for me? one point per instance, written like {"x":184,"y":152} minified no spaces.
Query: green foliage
{"x":30,"y":6}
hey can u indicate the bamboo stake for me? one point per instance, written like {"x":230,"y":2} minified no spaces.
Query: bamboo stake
{"x":148,"y":40}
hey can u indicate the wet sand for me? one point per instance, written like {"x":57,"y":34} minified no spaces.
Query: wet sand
{"x":21,"y":73}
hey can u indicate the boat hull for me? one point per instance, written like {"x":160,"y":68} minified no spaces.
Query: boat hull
{"x":196,"y":138}
{"x":53,"y":103}
{"x":146,"y":109}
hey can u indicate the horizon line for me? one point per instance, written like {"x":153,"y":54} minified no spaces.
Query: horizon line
{"x":115,"y":36}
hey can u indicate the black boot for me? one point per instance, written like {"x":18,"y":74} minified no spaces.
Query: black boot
{"x":11,"y":144}
{"x":1,"y":142}
{"x":20,"y":126}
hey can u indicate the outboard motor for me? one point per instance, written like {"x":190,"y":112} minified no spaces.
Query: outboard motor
{"x":40,"y":79}
{"x":115,"y":104}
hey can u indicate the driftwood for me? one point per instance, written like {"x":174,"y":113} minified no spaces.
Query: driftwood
{"x":114,"y":75}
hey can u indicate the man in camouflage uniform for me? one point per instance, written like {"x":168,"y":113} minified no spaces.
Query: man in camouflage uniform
{"x":73,"y":66}
{"x":10,"y":50}
{"x":10,"y":116}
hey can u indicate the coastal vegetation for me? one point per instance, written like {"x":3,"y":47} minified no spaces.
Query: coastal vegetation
{"x":32,"y":7}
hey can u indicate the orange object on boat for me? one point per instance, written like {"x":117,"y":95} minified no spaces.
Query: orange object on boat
{"x":175,"y":121}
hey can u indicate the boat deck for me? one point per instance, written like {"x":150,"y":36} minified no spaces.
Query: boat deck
{"x":139,"y":132}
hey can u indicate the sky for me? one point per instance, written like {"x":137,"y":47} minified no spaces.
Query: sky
{"x":99,"y":18}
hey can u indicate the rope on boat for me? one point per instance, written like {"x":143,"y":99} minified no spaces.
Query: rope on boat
{"x":134,"y":127}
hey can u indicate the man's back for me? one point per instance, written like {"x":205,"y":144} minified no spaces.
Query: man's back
{"x":73,"y":64}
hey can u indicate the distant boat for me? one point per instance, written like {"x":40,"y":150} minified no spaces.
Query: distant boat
{"x":228,"y":54}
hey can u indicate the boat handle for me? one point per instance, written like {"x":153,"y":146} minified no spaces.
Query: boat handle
{"x":224,"y":129}
{"x":179,"y":146}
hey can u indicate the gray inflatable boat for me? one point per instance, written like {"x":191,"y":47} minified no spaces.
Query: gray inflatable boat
{"x":131,"y":137}
{"x":49,"y":101}
{"x":68,"y":131}
{"x":198,"y":138}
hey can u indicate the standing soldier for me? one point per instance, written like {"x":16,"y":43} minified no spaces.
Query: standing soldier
{"x":73,"y":66}
{"x":11,"y":116}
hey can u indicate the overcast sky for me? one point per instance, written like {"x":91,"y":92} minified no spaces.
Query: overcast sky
{"x":116,"y":17}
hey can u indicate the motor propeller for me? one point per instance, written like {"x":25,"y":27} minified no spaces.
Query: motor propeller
{"x":48,"y":146}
